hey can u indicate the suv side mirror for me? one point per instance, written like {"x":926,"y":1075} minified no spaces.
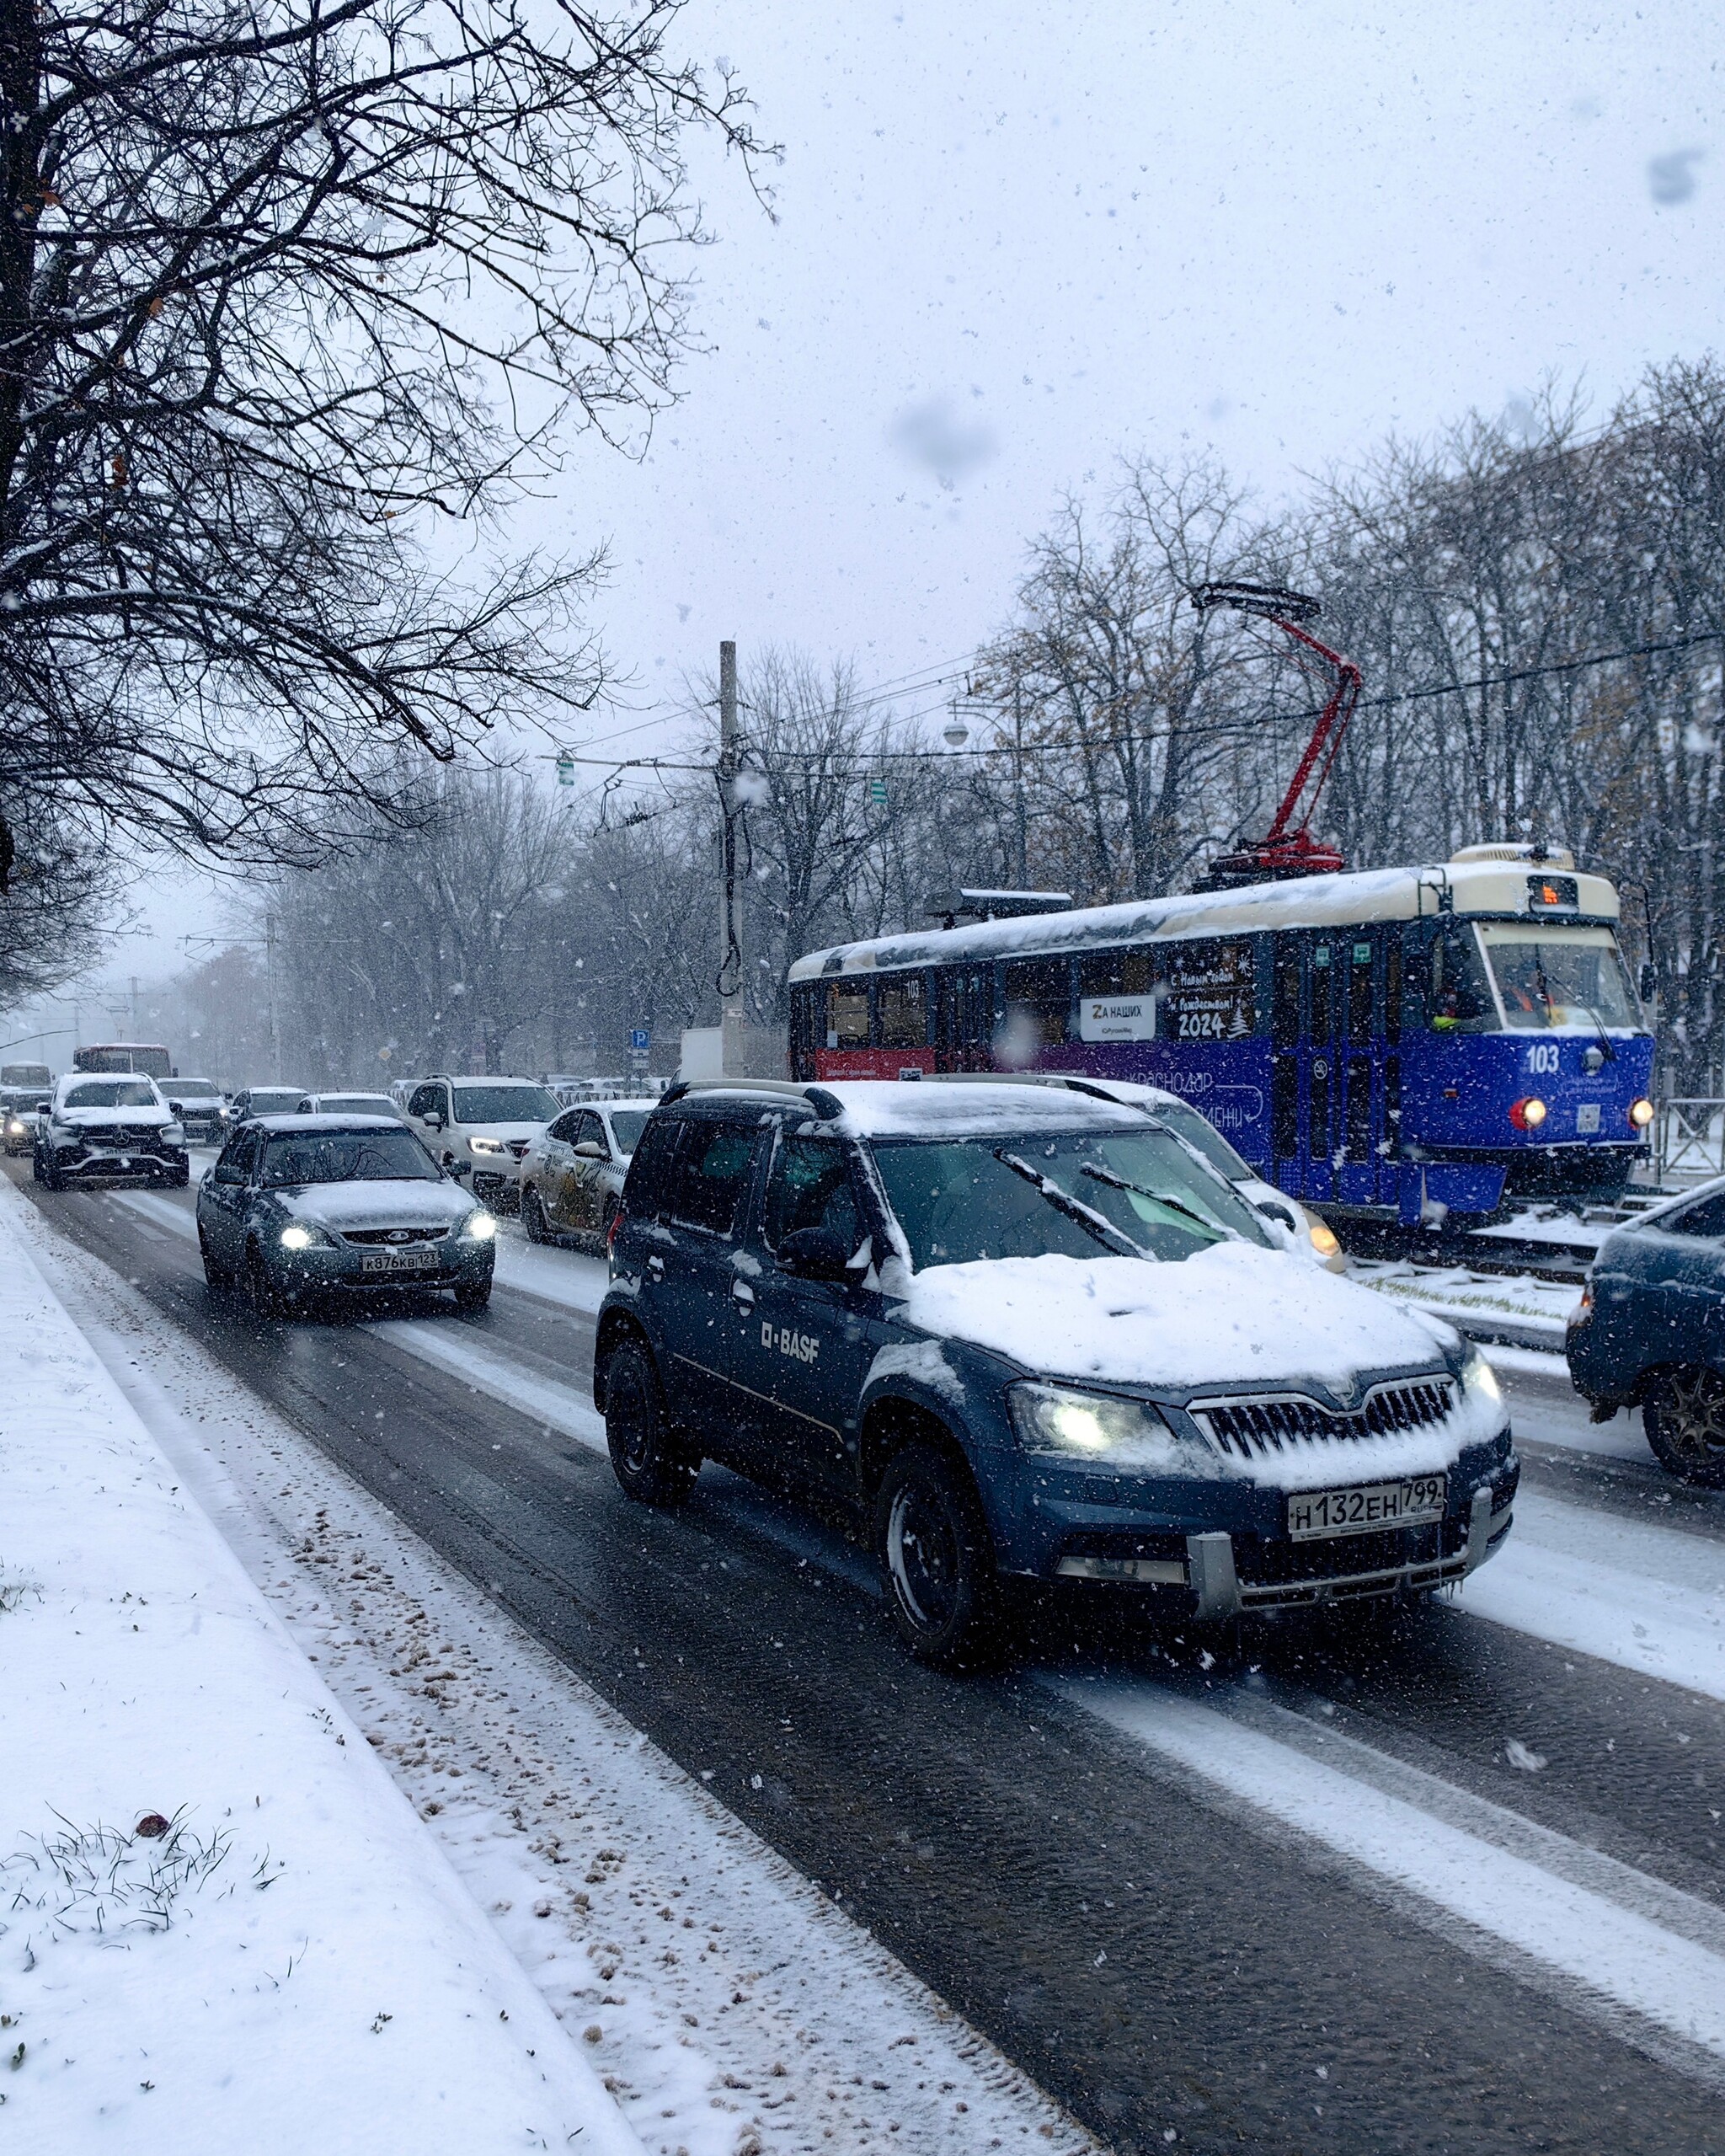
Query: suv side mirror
{"x":229,"y":1172}
{"x":432,"y":1119}
{"x":814,"y":1254}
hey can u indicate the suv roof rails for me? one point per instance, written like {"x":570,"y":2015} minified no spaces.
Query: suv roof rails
{"x":817,"y":1098}
{"x":1094,"y":1088}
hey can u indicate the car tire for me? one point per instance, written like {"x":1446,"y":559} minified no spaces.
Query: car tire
{"x":936,"y":1561}
{"x":178,"y":1177}
{"x":217,"y":1277}
{"x":473,"y":1294}
{"x":261,"y":1291}
{"x":651,"y":1465}
{"x":51,"y":1179}
{"x":534,"y":1224}
{"x":1683,"y":1414}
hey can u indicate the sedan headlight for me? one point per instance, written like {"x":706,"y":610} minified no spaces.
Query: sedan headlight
{"x":299,"y":1237}
{"x":15,"y":1128}
{"x":1090,"y":1426}
{"x":488,"y":1145}
{"x":479,"y":1227}
{"x":1477,"y":1376}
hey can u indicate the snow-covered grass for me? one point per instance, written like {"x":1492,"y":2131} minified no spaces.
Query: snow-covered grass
{"x":729,"y":2005}
{"x":1538,"y":1308}
{"x":221,"y":1928}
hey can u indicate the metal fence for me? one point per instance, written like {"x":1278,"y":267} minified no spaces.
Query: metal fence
{"x":1689,"y":1139}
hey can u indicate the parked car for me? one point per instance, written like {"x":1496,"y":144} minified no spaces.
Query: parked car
{"x":571,"y":1176}
{"x":266,"y":1101}
{"x":348,"y":1104}
{"x":20,"y":1107}
{"x":202,"y":1106}
{"x":482,"y":1126}
{"x":298,"y":1208}
{"x":1025,"y":1336}
{"x":110,"y":1128}
{"x":1649,"y":1332}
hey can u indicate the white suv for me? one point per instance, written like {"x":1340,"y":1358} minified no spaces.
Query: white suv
{"x":482,"y":1126}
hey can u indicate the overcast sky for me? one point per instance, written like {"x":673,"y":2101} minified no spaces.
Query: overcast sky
{"x":1014,"y":238}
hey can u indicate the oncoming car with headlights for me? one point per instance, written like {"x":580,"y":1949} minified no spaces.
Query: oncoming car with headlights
{"x":20,"y":1107}
{"x":1021,"y":1336}
{"x":302,"y":1207}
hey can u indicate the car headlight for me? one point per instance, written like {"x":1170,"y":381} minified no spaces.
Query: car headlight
{"x":1324,"y":1240}
{"x":488,"y":1145}
{"x":480,"y":1226}
{"x":1641,"y":1113}
{"x":299,"y":1237}
{"x":14,"y":1129}
{"x":1477,"y":1376}
{"x":1089,"y":1425}
{"x":174,"y":1133}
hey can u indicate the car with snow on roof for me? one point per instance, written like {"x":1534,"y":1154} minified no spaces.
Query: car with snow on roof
{"x":106,"y":1129}
{"x":300,"y":1210}
{"x":1021,"y":1335}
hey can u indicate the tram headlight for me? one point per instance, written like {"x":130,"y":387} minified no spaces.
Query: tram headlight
{"x":1529,"y":1113}
{"x":1641,"y":1113}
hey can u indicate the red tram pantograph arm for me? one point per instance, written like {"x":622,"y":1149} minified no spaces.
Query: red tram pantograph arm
{"x":1290,"y":833}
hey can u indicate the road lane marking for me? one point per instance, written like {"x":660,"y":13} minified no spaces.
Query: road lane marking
{"x":1605,"y":1952}
{"x":449,"y":1347}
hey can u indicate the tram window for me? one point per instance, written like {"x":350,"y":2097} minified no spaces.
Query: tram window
{"x":1117,"y":973}
{"x":1559,"y":976}
{"x":1210,"y":993}
{"x":847,"y":1015}
{"x":1039,"y":1000}
{"x":1359,"y":1002}
{"x":1459,"y":999}
{"x":904,"y":1016}
{"x":1285,"y":1005}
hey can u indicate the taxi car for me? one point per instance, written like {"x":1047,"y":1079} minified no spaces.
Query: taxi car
{"x":1018,"y":1335}
{"x":571,"y":1176}
{"x":300,"y":1208}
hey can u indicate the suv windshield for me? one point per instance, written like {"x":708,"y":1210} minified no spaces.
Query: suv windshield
{"x":112,"y":1093}
{"x":505,"y":1104}
{"x":1559,"y":978}
{"x":348,"y":1157}
{"x":274,"y":1099}
{"x":958,"y":1200}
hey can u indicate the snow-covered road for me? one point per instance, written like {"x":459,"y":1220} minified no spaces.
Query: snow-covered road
{"x":1503,"y":1817}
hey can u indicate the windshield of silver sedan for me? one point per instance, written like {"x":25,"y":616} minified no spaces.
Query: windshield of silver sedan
{"x":1076,"y":1195}
{"x":348,"y":1157}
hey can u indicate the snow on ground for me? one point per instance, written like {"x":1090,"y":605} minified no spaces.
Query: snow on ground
{"x":223,"y":1929}
{"x":730,"y":2008}
{"x":570,"y":1277}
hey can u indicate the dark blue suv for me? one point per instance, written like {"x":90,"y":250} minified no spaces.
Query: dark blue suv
{"x":1015,"y":1334}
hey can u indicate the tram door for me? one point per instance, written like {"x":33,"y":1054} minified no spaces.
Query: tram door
{"x":1327,"y":1097}
{"x":964,"y":1017}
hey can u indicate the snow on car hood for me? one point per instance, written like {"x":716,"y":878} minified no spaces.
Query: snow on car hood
{"x":1233,"y":1314}
{"x":134,"y":1119}
{"x":409,"y":1203}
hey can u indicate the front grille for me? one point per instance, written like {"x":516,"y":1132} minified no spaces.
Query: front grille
{"x":395,"y":1236}
{"x":518,"y":1146}
{"x":1260,"y":1427}
{"x":119,"y":1137}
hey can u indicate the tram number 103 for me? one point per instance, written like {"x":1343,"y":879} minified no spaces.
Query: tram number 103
{"x":1542,"y":1059}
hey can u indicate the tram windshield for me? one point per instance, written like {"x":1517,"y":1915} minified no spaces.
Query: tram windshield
{"x":1555,"y":979}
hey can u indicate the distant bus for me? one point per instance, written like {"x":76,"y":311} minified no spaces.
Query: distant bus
{"x":148,"y":1058}
{"x":33,"y":1075}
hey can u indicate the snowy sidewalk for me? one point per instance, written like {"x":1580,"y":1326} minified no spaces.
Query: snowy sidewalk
{"x":292,"y":1963}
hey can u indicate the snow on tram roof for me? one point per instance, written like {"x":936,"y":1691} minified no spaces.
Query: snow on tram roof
{"x":1336,"y":901}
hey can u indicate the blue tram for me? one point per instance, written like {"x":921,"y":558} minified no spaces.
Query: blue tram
{"x":1400,"y":1044}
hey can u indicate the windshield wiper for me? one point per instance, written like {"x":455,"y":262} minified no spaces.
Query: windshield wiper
{"x":1156,"y":1197}
{"x":1611,"y":1053}
{"x":1093,"y":1223}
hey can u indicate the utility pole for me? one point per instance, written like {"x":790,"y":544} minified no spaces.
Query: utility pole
{"x":269,"y":977}
{"x":733,"y":1036}
{"x":1021,"y":868}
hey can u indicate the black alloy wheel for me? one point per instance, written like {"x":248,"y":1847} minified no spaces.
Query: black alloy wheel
{"x":936,"y":1561}
{"x":473,"y":1294}
{"x":650,"y":1464}
{"x":1684,"y":1418}
{"x":534,"y":1224}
